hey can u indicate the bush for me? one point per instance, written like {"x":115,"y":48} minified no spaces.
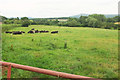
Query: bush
{"x":116,"y":26}
{"x":25,"y":23}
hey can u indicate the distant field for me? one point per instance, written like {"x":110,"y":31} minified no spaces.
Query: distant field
{"x":90,"y":52}
{"x":117,"y":23}
{"x":61,"y":20}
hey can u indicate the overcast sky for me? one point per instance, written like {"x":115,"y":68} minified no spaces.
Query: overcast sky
{"x":56,"y":8}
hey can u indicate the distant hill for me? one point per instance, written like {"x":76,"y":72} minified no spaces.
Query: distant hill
{"x":52,"y":18}
{"x":77,"y":16}
{"x":111,"y":15}
{"x":74,"y":16}
{"x":106,"y":15}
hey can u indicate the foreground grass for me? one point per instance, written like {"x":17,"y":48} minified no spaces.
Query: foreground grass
{"x":90,"y":52}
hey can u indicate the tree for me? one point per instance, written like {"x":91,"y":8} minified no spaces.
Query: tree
{"x":25,"y":23}
{"x":116,"y":18}
{"x":99,"y":17}
{"x":24,"y":18}
{"x":72,"y":23}
{"x":82,"y":20}
{"x":110,"y":20}
{"x":16,"y":18}
{"x":3,"y":18}
{"x":17,"y":21}
{"x":108,"y":25}
{"x":92,"y":22}
{"x":11,"y":18}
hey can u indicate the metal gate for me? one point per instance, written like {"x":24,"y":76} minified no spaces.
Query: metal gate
{"x":43,"y":71}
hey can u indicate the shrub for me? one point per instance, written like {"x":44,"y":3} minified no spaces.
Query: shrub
{"x":25,"y":23}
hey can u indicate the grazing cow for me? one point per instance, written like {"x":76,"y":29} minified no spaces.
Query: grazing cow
{"x":46,"y":31}
{"x":22,"y":31}
{"x":54,"y":32}
{"x":36,"y":31}
{"x":17,"y":32}
{"x":32,"y":29}
{"x":43,"y":31}
{"x":8,"y":32}
{"x":31,"y":32}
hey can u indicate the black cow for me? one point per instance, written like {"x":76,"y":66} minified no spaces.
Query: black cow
{"x":54,"y":32}
{"x":31,"y":32}
{"x":16,"y":32}
{"x":36,"y":31}
{"x":43,"y":31}
{"x":8,"y":32}
{"x":22,"y":31}
{"x":46,"y":31}
{"x":32,"y":29}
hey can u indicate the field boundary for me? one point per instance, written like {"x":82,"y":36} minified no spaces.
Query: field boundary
{"x":43,"y":71}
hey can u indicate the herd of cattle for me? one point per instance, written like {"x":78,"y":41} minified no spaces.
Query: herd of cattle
{"x":31,"y":31}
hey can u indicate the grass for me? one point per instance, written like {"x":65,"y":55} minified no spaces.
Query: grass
{"x":6,"y":27}
{"x":82,"y":51}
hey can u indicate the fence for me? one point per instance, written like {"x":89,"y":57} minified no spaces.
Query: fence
{"x":43,"y":71}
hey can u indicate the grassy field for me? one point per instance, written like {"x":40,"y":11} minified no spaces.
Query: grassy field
{"x":89,"y":52}
{"x":6,"y":27}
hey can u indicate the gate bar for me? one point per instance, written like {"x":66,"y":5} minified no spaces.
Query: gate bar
{"x":9,"y":72}
{"x":45,"y":71}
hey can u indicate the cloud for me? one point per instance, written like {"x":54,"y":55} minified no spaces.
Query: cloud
{"x":56,"y":8}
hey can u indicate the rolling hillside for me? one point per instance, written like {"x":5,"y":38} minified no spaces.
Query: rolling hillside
{"x":106,"y":15}
{"x":89,"y":52}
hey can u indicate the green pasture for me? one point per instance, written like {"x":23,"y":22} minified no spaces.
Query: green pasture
{"x":82,"y":51}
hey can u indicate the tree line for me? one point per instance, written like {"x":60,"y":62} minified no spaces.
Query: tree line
{"x":93,"y":21}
